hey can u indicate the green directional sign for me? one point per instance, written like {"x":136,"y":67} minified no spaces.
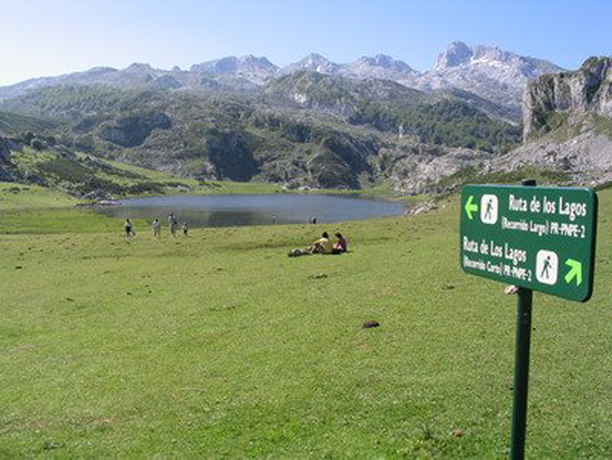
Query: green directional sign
{"x":538,"y":238}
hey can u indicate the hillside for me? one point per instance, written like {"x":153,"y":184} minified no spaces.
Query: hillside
{"x":303,"y":130}
{"x":567,"y":135}
{"x":311,"y":124}
{"x":318,"y":124}
{"x":489,"y":72}
{"x":568,"y":124}
{"x":13,"y":124}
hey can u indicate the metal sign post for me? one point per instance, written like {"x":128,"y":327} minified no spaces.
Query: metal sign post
{"x":539,"y":239}
{"x":521,"y":367}
{"x":521,"y":374}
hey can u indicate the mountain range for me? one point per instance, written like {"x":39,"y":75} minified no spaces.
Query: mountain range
{"x":311,"y":124}
{"x":487,"y":72}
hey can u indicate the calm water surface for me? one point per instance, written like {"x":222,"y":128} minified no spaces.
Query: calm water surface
{"x":231,"y":210}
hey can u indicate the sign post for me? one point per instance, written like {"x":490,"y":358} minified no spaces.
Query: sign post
{"x":521,"y":367}
{"x":539,"y":239}
{"x":521,"y":373}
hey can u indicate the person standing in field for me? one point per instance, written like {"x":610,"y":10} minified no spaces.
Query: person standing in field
{"x":156,"y":226}
{"x":129,"y":229}
{"x":173,"y":223}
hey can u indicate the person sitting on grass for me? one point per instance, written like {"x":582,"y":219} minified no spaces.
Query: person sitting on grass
{"x":341,"y":245}
{"x":322,"y":246}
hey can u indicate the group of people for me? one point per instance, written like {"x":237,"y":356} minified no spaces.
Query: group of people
{"x":156,"y":227}
{"x":324,"y":245}
{"x":172,"y":223}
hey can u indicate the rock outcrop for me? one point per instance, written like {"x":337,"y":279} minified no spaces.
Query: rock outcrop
{"x":133,"y":130}
{"x":568,"y":125}
{"x":255,"y":69}
{"x":498,"y":75}
{"x":416,"y":169}
{"x":551,"y":99}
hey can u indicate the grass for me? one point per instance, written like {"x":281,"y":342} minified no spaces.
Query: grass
{"x":85,"y":173}
{"x":560,"y":130}
{"x":602,"y":125}
{"x":17,"y":196}
{"x":220,"y":345}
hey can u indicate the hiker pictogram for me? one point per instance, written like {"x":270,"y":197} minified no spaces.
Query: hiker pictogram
{"x":547,"y":267}
{"x":489,"y":209}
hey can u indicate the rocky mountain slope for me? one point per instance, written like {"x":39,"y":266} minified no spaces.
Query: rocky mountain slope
{"x":497,"y":75}
{"x":568,"y":124}
{"x":569,"y":95}
{"x":254,"y":69}
{"x":304,"y":129}
{"x":380,"y":66}
{"x":330,"y":126}
{"x":567,"y":134}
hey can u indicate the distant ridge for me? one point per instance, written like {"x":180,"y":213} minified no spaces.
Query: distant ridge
{"x":488,"y":72}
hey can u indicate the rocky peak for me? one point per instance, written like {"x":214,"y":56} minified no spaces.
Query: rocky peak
{"x":252,"y":67}
{"x":313,"y":62}
{"x":492,"y":53}
{"x":218,"y":66}
{"x":489,"y":72}
{"x":256,"y":63}
{"x":139,"y":67}
{"x":568,"y":95}
{"x":100,"y":71}
{"x":456,"y":53}
{"x":492,"y":59}
{"x":385,"y":62}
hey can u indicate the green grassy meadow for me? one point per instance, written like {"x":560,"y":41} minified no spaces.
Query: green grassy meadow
{"x":219,"y":345}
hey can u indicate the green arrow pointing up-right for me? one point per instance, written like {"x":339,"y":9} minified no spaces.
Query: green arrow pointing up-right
{"x":470,"y":207}
{"x":575,"y":271}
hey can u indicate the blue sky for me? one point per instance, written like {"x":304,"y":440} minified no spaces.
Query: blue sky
{"x":50,"y":37}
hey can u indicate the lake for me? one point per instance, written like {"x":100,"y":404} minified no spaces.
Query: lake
{"x":233,"y":210}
